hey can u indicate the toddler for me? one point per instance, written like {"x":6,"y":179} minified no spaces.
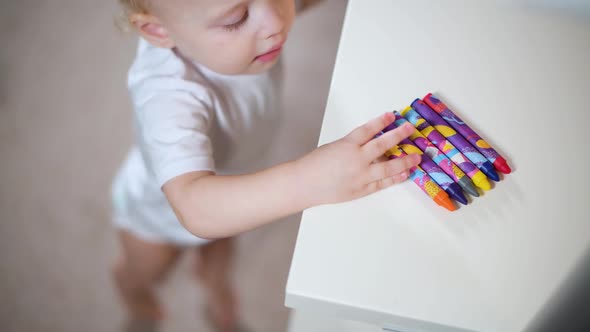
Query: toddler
{"x":205,"y":91}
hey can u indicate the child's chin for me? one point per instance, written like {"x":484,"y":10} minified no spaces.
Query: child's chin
{"x":258,"y":67}
{"x":255,"y":67}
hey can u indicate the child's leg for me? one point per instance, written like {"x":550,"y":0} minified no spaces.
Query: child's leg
{"x":140,"y":267}
{"x":213,"y":263}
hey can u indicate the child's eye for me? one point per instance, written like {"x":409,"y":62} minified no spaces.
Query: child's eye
{"x":235,"y":26}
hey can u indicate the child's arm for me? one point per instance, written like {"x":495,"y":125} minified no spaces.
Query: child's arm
{"x":212,"y":206}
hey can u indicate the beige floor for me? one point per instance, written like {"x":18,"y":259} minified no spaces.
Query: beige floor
{"x":64,"y":129}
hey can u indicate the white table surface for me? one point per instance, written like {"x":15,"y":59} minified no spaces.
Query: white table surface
{"x":520,"y":78}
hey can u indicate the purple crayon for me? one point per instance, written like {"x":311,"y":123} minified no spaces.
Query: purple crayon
{"x":432,"y":169}
{"x":424,"y":181}
{"x":478,"y":178}
{"x":466,"y":131}
{"x":439,"y":158}
{"x":458,"y":141}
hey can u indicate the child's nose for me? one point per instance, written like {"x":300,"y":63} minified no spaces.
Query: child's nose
{"x":273,"y":22}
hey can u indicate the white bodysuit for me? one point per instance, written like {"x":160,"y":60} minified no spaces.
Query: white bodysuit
{"x":188,"y":118}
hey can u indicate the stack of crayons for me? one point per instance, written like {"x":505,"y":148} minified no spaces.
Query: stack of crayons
{"x":455,"y":159}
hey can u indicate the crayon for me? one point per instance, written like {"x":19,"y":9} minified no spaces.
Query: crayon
{"x":458,"y":141}
{"x":439,"y":158}
{"x":432,"y":169}
{"x":424,"y":181}
{"x":478,"y":178}
{"x":472,"y":137}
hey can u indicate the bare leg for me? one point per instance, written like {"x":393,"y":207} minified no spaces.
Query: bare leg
{"x":138,"y":270}
{"x":213,"y":263}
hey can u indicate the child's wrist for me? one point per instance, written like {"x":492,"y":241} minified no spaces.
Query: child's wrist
{"x":301,"y":182}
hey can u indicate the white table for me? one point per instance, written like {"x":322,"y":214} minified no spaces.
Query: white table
{"x":395,"y":259}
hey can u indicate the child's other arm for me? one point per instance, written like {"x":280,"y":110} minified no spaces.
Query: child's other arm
{"x":212,"y":206}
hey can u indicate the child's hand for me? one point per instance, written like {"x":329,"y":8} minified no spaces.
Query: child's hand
{"x":348,"y":168}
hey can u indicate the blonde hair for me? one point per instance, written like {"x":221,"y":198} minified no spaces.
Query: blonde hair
{"x":131,"y":7}
{"x":135,"y":6}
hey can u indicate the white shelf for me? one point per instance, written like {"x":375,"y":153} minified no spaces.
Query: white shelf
{"x":520,"y":78}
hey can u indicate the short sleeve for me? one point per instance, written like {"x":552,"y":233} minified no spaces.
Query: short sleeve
{"x":173,"y":114}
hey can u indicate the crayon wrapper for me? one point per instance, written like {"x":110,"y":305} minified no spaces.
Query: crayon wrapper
{"x":429,"y":166}
{"x":417,"y":174}
{"x":449,"y":133}
{"x":461,"y":127}
{"x":438,"y":157}
{"x":440,"y":142}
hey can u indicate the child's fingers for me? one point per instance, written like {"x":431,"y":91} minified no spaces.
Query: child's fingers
{"x":379,"y":145}
{"x":389,"y":168}
{"x":380,"y":159}
{"x":386,"y":182}
{"x":366,"y":132}
{"x":401,"y":177}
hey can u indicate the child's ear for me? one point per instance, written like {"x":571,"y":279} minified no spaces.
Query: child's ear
{"x":152,"y":30}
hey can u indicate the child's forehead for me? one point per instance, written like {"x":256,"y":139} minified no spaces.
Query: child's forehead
{"x":203,"y":6}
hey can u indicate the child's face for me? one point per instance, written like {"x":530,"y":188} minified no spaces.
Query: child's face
{"x":227,"y":36}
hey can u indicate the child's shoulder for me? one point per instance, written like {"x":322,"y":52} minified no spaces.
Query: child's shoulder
{"x":151,"y":61}
{"x":159,"y":70}
{"x":165,"y":75}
